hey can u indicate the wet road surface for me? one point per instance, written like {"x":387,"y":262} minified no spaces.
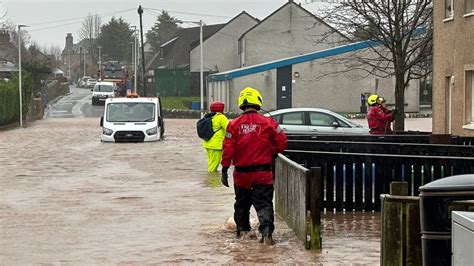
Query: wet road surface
{"x":74,"y":200}
{"x":66,"y":198}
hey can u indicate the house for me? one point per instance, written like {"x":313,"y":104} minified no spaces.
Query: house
{"x":300,"y":81}
{"x":289,"y":31}
{"x":453,"y":67}
{"x":220,"y":50}
{"x":73,"y":57}
{"x":171,"y":68}
{"x":8,"y":56}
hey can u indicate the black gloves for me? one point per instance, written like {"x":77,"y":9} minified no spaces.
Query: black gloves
{"x":225,"y":176}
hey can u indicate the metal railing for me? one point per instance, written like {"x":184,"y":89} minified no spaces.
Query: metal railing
{"x":355,"y":181}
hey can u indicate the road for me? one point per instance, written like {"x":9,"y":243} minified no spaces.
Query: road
{"x":66,"y":198}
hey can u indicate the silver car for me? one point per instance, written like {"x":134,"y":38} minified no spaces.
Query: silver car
{"x":315,"y":121}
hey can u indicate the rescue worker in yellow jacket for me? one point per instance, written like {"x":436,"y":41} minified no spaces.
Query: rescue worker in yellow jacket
{"x":213,"y":146}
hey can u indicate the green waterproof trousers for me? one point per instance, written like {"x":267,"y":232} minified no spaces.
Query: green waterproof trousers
{"x":213,"y":159}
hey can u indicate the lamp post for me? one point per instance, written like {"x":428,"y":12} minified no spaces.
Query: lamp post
{"x":100,"y":63}
{"x":201,"y":64}
{"x":135,"y":58}
{"x":84,"y":50}
{"x":19,"y":73}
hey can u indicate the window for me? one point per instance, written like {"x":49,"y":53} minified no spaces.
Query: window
{"x":448,"y":9}
{"x":277,"y":118}
{"x":293,"y":119}
{"x":469,"y":97}
{"x":469,"y":6}
{"x":320,"y":119}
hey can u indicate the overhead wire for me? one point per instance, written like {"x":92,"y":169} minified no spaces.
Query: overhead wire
{"x":76,"y":20}
{"x":187,"y":13}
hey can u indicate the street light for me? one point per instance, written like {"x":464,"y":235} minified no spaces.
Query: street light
{"x":19,"y":73}
{"x":100,"y":63}
{"x":201,"y":71}
{"x":135,"y":58}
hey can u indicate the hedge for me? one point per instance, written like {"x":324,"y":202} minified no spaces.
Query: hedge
{"x":9,"y":100}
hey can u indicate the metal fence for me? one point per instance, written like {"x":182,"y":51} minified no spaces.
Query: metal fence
{"x":408,"y":137}
{"x":355,"y":180}
{"x":297,"y":199}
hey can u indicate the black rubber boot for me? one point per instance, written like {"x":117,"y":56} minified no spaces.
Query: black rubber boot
{"x":267,"y":239}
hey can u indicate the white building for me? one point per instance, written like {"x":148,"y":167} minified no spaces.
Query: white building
{"x":289,"y":31}
{"x":220,"y":50}
{"x":301,"y":81}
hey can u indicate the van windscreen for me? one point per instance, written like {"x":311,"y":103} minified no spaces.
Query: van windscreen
{"x":130,"y":112}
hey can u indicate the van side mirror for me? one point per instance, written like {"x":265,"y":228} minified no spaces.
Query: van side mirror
{"x":101,"y":121}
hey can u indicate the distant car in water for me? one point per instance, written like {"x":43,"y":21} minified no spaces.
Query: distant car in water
{"x":83,"y":81}
{"x":90,"y":83}
{"x":315,"y":121}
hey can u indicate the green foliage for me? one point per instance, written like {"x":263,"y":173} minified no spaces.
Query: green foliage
{"x":39,"y":70}
{"x":181,"y":103}
{"x":115,"y":38}
{"x":9,"y":99}
{"x":164,"y":29}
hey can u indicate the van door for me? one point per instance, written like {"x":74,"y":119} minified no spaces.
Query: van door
{"x":161,"y":121}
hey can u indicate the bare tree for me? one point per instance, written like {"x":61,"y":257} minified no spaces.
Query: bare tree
{"x":397,"y":32}
{"x":89,"y":33}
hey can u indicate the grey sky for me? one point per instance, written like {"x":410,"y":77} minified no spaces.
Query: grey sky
{"x":36,"y":13}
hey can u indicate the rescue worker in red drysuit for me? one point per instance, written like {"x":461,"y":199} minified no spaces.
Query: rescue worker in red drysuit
{"x":379,"y":117}
{"x":252,"y":141}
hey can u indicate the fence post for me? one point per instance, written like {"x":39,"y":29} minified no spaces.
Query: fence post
{"x":313,"y":216}
{"x":401,"y":240}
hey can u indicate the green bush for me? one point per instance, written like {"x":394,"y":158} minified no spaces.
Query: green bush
{"x":9,"y":100}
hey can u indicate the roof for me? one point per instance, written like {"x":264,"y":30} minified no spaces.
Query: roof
{"x":290,"y":2}
{"x":231,"y":74}
{"x":178,"y":53}
{"x":8,"y":67}
{"x":137,"y":100}
{"x":196,"y":43}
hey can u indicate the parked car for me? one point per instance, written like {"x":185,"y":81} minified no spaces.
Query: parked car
{"x":315,"y":121}
{"x":90,"y":83}
{"x":102,"y":91}
{"x":83,"y":81}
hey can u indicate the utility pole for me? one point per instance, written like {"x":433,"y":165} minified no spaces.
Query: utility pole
{"x":100,"y":64}
{"x":85,"y":61}
{"x":20,"y":90}
{"x":69,"y":65}
{"x":134,"y":58}
{"x":201,"y":71}
{"x":140,"y":13}
{"x":80,"y":60}
{"x":136,"y":61}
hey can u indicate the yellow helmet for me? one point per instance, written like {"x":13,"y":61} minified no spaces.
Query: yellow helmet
{"x":372,"y":99}
{"x":250,"y":96}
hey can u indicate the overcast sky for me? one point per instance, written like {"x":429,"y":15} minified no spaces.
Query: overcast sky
{"x":50,"y":20}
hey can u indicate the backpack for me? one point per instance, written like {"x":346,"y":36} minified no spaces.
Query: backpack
{"x":204,"y":127}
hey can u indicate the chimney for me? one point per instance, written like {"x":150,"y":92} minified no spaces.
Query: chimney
{"x":4,"y":37}
{"x":69,"y":41}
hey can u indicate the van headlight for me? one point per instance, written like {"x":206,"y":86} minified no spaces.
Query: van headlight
{"x":152,"y":131}
{"x":107,"y":132}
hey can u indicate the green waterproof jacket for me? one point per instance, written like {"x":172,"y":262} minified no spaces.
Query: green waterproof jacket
{"x":219,"y":125}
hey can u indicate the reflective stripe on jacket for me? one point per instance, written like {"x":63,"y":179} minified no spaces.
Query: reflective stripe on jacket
{"x":219,"y":125}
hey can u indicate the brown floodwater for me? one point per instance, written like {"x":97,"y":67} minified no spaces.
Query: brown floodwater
{"x":66,"y":198}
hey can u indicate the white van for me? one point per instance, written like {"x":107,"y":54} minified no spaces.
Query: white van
{"x":102,"y":91}
{"x":132,"y":120}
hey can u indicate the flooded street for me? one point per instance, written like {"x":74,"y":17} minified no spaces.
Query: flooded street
{"x":66,"y":198}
